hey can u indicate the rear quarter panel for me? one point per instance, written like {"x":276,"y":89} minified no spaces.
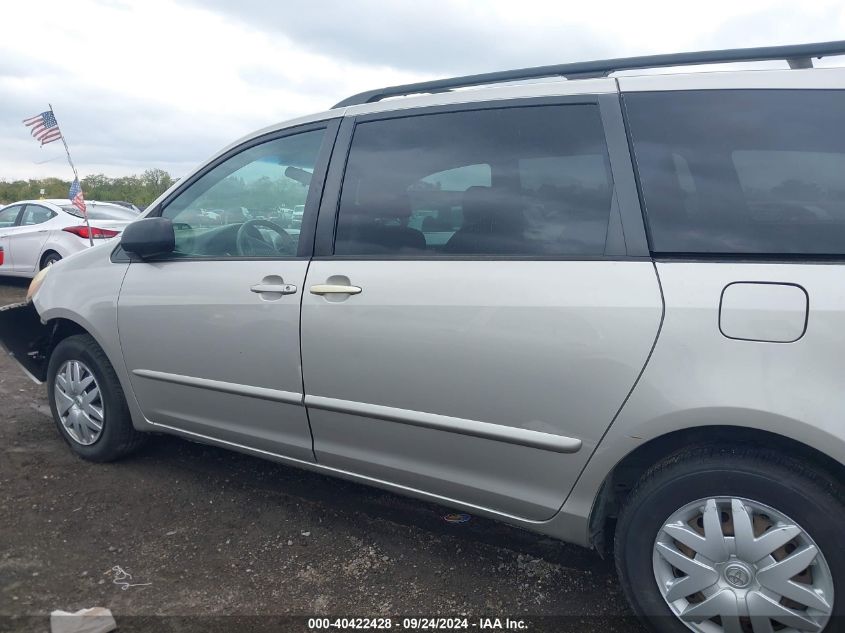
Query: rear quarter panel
{"x":699,"y":377}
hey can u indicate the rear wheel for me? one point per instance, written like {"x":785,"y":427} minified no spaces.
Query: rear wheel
{"x":49,"y":259}
{"x":88,"y":403}
{"x":734,"y":540}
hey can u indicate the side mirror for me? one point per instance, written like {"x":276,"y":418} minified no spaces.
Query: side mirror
{"x":149,"y":237}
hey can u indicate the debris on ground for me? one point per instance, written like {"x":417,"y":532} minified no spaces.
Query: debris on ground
{"x":456,"y":517}
{"x":94,"y":620}
{"x":123,"y":578}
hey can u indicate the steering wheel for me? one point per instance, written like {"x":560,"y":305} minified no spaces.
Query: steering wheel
{"x":250,"y":243}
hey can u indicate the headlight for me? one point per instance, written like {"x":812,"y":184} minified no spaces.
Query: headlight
{"x":36,"y":283}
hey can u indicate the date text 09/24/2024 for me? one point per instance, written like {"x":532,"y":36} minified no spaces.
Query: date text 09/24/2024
{"x":418,"y":623}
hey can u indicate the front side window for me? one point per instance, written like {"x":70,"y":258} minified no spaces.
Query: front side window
{"x":35,"y":214}
{"x":742,"y":171}
{"x":251,"y":204}
{"x":524,"y":181}
{"x":9,"y":215}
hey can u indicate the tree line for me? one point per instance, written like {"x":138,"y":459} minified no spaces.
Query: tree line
{"x":140,"y":190}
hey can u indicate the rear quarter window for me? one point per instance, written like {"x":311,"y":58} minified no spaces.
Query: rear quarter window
{"x":741,"y":171}
{"x":103,"y":212}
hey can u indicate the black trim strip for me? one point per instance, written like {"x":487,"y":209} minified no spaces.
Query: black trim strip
{"x":749,"y":258}
{"x":482,"y":258}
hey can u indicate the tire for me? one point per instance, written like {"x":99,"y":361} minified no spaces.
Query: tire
{"x":49,"y":259}
{"x":754,"y":478}
{"x":116,"y":437}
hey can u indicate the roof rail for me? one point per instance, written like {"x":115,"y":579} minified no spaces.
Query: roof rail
{"x":798,"y":56}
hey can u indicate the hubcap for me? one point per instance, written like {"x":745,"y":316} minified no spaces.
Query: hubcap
{"x":740,"y":566}
{"x":79,"y":402}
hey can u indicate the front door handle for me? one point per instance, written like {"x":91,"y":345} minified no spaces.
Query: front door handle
{"x":281,"y":289}
{"x":334,"y":289}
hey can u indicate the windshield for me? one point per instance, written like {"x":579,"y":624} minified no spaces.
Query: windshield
{"x":103,"y":212}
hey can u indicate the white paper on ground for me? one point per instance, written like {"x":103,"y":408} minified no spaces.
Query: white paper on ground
{"x":94,"y":620}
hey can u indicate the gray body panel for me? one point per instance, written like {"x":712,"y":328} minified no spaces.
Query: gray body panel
{"x":696,"y":376}
{"x":545,"y":346}
{"x":88,"y":297}
{"x":226,"y":360}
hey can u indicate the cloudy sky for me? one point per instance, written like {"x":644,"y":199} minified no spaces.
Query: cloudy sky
{"x":165,"y":83}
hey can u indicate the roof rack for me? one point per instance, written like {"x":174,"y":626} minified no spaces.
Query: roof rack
{"x":798,"y":56}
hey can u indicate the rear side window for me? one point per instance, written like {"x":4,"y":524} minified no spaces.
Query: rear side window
{"x":103,"y":212}
{"x":36,"y":214}
{"x":742,"y":171}
{"x":531,"y":181}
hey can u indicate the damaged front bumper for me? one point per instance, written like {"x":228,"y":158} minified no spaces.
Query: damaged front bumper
{"x":25,"y":339}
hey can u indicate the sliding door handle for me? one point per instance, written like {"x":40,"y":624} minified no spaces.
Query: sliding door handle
{"x":334,"y":289}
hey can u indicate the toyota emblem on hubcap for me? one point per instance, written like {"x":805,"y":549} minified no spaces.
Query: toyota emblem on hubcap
{"x":737,"y":575}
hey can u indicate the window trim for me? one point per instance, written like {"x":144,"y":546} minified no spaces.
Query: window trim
{"x":305,"y":244}
{"x":626,"y":205}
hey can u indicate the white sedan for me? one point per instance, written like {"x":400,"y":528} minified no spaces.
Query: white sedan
{"x":37,"y":233}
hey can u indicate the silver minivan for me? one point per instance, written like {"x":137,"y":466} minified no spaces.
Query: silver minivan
{"x":606,"y":309}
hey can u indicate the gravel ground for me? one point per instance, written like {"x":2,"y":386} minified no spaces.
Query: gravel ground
{"x":216,"y":533}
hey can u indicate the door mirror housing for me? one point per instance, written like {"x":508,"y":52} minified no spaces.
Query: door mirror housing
{"x":149,"y":237}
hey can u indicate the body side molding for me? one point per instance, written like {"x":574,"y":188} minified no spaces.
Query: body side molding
{"x":262,"y":393}
{"x":496,"y":432}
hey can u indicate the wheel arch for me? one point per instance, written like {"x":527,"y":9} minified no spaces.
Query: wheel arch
{"x":62,"y":323}
{"x":62,"y":328}
{"x":66,"y":325}
{"x":621,"y":479}
{"x":47,"y":251}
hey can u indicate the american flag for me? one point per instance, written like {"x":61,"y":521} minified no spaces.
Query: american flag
{"x":44,"y":127}
{"x":75,"y":196}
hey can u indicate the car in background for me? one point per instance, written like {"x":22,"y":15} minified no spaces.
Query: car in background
{"x":296,"y":216}
{"x":37,"y":233}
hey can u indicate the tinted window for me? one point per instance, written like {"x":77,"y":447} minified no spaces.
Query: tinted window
{"x":246,"y":206}
{"x":103,"y":212}
{"x":510,"y":181}
{"x":9,"y":215}
{"x":742,"y":171}
{"x":35,"y":214}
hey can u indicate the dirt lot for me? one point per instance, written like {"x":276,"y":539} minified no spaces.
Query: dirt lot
{"x":216,"y":533}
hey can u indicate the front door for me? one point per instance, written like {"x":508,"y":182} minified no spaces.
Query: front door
{"x":210,"y":334}
{"x":479,"y":322}
{"x":31,"y":236}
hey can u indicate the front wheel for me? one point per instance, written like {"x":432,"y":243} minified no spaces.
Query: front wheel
{"x":88,"y":403}
{"x":734,"y":540}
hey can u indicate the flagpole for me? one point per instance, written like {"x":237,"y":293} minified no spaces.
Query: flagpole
{"x":75,"y":174}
